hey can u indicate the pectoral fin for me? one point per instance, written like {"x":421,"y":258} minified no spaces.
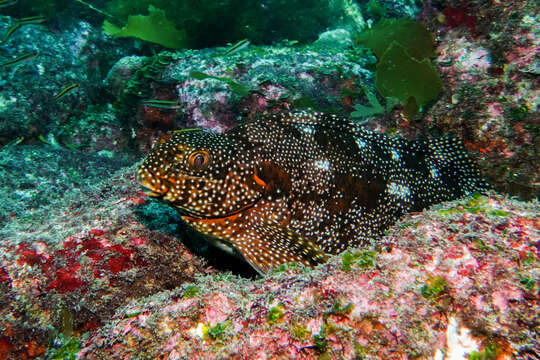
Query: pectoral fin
{"x":269,"y":246}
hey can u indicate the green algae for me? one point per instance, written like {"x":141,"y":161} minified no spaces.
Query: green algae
{"x":404,"y":71}
{"x":480,"y":244}
{"x":275,"y":314}
{"x":191,"y":291}
{"x":361,"y":259}
{"x":217,"y":332}
{"x":475,"y":204}
{"x":235,"y":87}
{"x":414,"y":82}
{"x":434,"y":287}
{"x":339,"y":310}
{"x":498,"y":212}
{"x":320,"y":342}
{"x":412,"y":36}
{"x":300,"y":332}
{"x":374,"y":107}
{"x":488,"y":353}
{"x":66,"y":348}
{"x":528,"y":282}
{"x":154,"y":27}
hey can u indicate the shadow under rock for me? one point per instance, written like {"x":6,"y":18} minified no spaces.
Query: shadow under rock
{"x":161,"y":217}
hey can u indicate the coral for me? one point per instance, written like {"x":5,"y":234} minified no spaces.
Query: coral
{"x":75,"y":54}
{"x":256,"y":80}
{"x":491,"y":96}
{"x":94,"y":248}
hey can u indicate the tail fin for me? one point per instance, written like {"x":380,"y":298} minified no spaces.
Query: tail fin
{"x":449,"y":172}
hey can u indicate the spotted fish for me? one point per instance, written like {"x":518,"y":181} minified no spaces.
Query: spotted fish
{"x":296,"y":187}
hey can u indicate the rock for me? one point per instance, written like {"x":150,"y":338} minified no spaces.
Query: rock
{"x":457,"y":280}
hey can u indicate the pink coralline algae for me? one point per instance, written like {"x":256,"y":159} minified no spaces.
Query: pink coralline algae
{"x":490,"y":98}
{"x":88,"y":272}
{"x":458,"y":280}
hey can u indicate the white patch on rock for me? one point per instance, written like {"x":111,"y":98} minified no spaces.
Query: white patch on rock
{"x":459,"y":343}
{"x":198,"y":331}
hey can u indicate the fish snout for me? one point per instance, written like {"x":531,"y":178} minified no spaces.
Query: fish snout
{"x":154,"y":185}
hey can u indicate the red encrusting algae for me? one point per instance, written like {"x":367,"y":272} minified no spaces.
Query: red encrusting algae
{"x":62,"y":267}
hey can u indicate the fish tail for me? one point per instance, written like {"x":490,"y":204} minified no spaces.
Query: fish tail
{"x":448,"y":172}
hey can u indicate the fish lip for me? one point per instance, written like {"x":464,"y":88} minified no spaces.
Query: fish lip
{"x":153,"y":194}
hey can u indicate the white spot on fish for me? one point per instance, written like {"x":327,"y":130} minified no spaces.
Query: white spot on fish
{"x":434,"y":173}
{"x":307,"y":129}
{"x":322,"y":164}
{"x":395,"y":155}
{"x":361,"y":143}
{"x":398,"y":190}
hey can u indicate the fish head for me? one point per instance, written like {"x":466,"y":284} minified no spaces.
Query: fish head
{"x":199,"y":173}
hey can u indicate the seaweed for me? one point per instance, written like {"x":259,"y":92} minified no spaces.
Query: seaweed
{"x":413,"y":36}
{"x":154,"y":27}
{"x":413,"y":82}
{"x":404,"y":71}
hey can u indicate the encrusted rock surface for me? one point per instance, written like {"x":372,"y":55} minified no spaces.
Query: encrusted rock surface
{"x":457,"y":279}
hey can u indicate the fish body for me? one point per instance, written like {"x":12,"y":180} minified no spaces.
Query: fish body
{"x":239,"y":46}
{"x":298,"y":186}
{"x":65,"y":90}
{"x":20,"y":59}
{"x":5,"y":3}
{"x":162,"y":104}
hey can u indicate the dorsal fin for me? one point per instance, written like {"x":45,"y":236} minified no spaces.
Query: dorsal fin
{"x":341,"y":124}
{"x":329,"y":121}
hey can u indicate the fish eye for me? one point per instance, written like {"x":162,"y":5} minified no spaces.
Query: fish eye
{"x":199,"y":159}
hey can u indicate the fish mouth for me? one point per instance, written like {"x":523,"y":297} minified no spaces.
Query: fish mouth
{"x":152,"y":193}
{"x":151,"y":190}
{"x":184,"y":211}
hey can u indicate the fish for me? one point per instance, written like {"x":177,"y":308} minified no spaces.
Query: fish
{"x":38,"y":19}
{"x":65,"y":90}
{"x":239,"y":46}
{"x":5,"y":3}
{"x":20,"y":22}
{"x":302,"y":186}
{"x":9,"y":32}
{"x":20,"y":59}
{"x":162,"y":104}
